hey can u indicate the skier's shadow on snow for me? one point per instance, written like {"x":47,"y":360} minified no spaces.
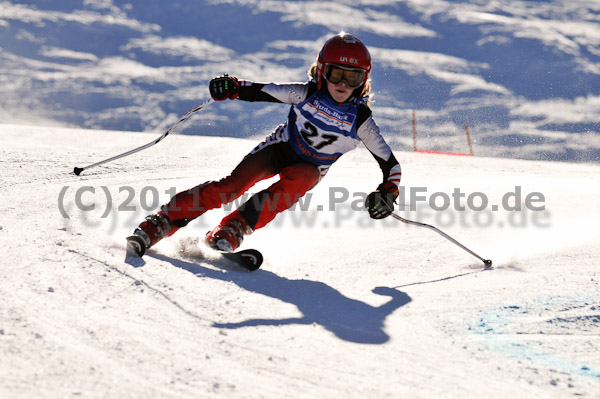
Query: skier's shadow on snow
{"x":349,"y":319}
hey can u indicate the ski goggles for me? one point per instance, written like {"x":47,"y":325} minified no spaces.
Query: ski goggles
{"x":354,"y":77}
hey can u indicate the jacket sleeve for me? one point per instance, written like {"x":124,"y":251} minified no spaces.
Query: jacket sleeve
{"x":286,"y":93}
{"x":369,"y":133}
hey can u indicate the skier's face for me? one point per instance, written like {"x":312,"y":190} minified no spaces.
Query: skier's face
{"x":340,"y":92}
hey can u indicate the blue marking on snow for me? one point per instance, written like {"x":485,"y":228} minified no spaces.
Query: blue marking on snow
{"x":499,"y":330}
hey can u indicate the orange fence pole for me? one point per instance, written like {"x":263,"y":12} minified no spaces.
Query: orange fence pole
{"x":469,"y":139}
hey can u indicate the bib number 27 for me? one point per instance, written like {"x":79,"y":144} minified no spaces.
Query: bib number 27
{"x":314,"y":139}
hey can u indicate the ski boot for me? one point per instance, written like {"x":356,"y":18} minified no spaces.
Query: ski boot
{"x":149,"y":232}
{"x":229,"y":234}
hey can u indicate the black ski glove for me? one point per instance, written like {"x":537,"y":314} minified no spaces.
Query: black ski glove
{"x":223,"y":87}
{"x":380,"y":203}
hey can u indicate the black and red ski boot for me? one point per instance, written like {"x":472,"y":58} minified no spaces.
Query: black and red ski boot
{"x":148,"y":233}
{"x":229,"y":234}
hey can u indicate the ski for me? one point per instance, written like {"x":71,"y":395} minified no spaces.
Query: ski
{"x":249,"y":259}
{"x":136,"y":246}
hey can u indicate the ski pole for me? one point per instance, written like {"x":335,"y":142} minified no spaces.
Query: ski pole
{"x":486,"y":262}
{"x":78,"y":171}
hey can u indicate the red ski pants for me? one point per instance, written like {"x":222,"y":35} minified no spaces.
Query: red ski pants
{"x":296,"y":178}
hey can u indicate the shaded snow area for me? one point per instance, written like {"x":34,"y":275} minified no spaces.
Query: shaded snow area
{"x":343,"y":307}
{"x":524,"y":75}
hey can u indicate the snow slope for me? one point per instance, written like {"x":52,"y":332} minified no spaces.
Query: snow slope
{"x":343,"y":306}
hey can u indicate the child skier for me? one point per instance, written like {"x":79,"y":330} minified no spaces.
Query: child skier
{"x":329,"y":116}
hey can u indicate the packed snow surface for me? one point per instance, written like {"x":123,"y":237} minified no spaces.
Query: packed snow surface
{"x":343,"y":307}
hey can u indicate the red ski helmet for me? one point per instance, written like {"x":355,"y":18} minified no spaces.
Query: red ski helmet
{"x":343,"y":49}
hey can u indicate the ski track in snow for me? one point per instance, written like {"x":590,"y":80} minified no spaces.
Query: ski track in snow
{"x":343,"y":306}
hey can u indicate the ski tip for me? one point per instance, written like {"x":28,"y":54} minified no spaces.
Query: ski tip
{"x":136,"y":246}
{"x":77,"y":171}
{"x":249,"y":259}
{"x":487,"y":263}
{"x":254,"y":259}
